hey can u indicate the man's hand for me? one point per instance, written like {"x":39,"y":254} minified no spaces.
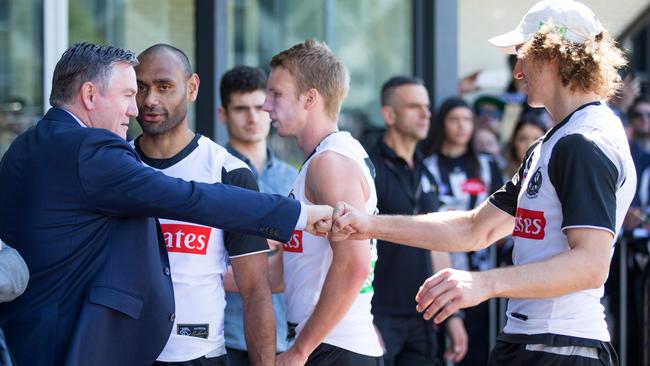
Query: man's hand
{"x":468,"y":83}
{"x":458,"y":335}
{"x":448,"y":291}
{"x":291,"y":358}
{"x":349,"y":223}
{"x":319,"y":219}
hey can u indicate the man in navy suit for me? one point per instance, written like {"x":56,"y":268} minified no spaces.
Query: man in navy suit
{"x":77,"y":204}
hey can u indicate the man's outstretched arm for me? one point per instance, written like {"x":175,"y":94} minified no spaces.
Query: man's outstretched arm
{"x":452,"y":231}
{"x":123,"y":186}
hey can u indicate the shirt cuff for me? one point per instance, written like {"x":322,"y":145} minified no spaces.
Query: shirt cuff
{"x":302,"y":219}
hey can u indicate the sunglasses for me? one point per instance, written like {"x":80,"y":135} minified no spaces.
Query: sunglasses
{"x":489,"y":113}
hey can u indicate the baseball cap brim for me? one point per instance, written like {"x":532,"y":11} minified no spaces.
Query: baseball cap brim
{"x":508,"y":41}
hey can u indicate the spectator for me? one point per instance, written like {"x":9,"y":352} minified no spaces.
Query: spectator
{"x":639,"y":115}
{"x":529,"y":128}
{"x":620,"y":102}
{"x":405,"y":186}
{"x":487,"y":142}
{"x":489,"y":110}
{"x":243,"y":90}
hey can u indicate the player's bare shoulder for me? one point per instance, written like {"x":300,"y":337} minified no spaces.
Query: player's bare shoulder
{"x":333,"y":176}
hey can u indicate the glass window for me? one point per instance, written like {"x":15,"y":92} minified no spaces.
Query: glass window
{"x":372,"y":38}
{"x":21,"y":67}
{"x":135,"y":25}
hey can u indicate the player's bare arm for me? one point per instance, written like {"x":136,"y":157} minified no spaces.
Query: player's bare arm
{"x":584,"y":266}
{"x":331,"y":178}
{"x":251,"y":277}
{"x":276,"y":270}
{"x":452,"y":231}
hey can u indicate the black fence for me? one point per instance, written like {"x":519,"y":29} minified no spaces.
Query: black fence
{"x":628,"y":290}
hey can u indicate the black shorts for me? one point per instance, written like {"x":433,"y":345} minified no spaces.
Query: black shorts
{"x":409,"y":340}
{"x":237,"y":357}
{"x":201,"y":361}
{"x":551,"y":350}
{"x":328,"y":355}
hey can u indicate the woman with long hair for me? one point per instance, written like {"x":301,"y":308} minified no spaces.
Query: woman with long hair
{"x":466,"y":177}
{"x":530,"y":127}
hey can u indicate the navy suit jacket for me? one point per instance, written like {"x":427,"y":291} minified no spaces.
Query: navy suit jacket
{"x":77,"y":204}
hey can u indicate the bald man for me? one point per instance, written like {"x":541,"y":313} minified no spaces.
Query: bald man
{"x":198,"y":254}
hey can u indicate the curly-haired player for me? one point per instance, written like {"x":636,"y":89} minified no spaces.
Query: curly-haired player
{"x":564,"y":207}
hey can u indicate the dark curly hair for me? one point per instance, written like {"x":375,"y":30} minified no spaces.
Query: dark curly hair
{"x":241,"y":79}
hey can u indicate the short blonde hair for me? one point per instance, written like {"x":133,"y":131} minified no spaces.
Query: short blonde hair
{"x":589,"y":67}
{"x":314,"y":65}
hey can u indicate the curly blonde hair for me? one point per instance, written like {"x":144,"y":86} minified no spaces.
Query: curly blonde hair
{"x":590,"y":67}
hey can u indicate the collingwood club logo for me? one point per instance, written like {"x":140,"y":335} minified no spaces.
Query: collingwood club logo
{"x":534,"y":184}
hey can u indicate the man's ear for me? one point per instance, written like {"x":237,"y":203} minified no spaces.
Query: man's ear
{"x":89,"y":95}
{"x":311,"y":98}
{"x":388,"y":114}
{"x":193,"y":87}
{"x":223,"y":117}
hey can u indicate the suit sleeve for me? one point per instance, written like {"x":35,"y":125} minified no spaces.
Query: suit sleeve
{"x":238,"y":244}
{"x":114,"y":182}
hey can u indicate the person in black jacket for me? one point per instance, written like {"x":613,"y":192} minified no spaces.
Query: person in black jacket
{"x":404,"y":186}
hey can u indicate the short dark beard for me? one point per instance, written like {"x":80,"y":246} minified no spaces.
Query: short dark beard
{"x":161,"y":128}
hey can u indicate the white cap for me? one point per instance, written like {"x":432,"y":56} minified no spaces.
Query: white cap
{"x":571,"y":19}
